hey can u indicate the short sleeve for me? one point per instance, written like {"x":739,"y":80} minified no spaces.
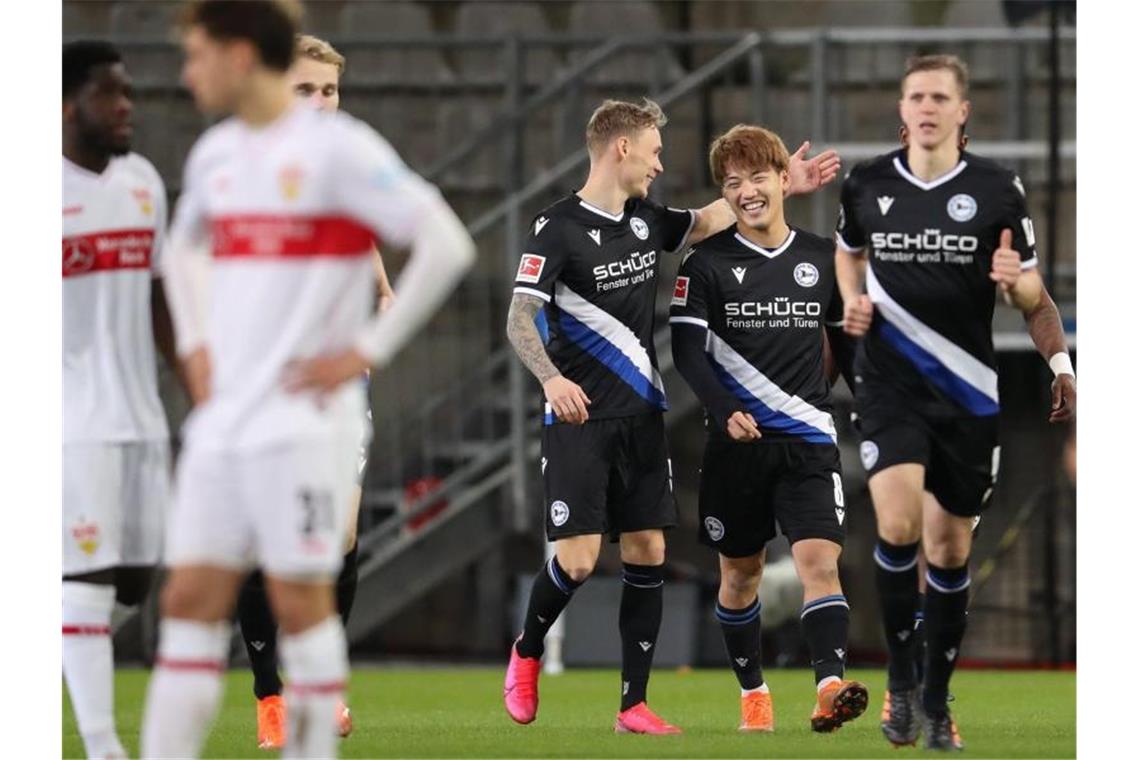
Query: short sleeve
{"x":849,"y":235}
{"x":690,"y":295}
{"x":377,"y":189}
{"x":1015,"y":217}
{"x":673,"y":225}
{"x":543,"y":258}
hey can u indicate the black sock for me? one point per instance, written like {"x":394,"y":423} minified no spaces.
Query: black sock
{"x":947,"y":594}
{"x":825,"y":621}
{"x":919,"y":640}
{"x":346,"y":586}
{"x":639,"y":620}
{"x":549,"y":595}
{"x":259,"y":632}
{"x":741,"y":629}
{"x":896,"y":575}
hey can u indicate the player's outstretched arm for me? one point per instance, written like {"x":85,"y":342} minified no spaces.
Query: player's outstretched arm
{"x":566,"y":398}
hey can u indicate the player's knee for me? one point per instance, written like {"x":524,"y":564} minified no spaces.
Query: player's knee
{"x":578,"y":568}
{"x":818,"y":573}
{"x":738,"y":587}
{"x":946,"y":553}
{"x":900,"y":529}
{"x":186,"y":600}
{"x":643,"y":548}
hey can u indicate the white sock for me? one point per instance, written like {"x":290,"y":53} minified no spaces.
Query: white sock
{"x":89,"y":665}
{"x":824,"y":682}
{"x":761,"y":689}
{"x":184,"y":688}
{"x":316,"y":668}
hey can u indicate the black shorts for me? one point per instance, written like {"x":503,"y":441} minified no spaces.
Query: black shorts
{"x":747,"y":488}
{"x":960,"y":454}
{"x":609,"y":476}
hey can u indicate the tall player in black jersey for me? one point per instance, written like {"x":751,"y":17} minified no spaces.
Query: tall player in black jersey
{"x":591,"y":262}
{"x":929,"y":231}
{"x":748,"y":317}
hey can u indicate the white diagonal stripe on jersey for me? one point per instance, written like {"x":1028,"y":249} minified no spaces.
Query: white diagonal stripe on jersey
{"x":611,"y":329}
{"x":953,"y":357}
{"x":767,"y":392}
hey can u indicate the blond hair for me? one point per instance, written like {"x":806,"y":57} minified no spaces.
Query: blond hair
{"x":618,"y":118}
{"x":308,"y":46}
{"x":941,"y":62}
{"x":748,"y":148}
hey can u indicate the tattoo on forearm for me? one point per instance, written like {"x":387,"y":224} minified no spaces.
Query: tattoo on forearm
{"x":1045,"y":328}
{"x":524,"y":337}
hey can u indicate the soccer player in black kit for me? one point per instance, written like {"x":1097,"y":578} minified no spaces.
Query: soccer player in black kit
{"x":748,"y":318}
{"x":924,"y":235}
{"x":591,"y":263}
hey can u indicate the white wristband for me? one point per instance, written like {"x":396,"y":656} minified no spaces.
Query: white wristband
{"x":1061,"y":364}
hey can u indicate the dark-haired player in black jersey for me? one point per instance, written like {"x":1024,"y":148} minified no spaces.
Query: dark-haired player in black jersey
{"x":591,"y":263}
{"x":924,"y":236}
{"x":748,"y":316}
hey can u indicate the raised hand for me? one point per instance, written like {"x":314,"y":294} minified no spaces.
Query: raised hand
{"x":1006,"y":266}
{"x":808,"y":175}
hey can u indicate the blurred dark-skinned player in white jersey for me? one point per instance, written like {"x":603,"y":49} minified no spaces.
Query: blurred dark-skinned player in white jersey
{"x":927,"y":236}
{"x":590,"y":263}
{"x":754,"y":310}
{"x":315,"y":77}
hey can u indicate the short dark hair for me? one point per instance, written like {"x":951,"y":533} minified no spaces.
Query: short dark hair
{"x":270,"y":25}
{"x":80,"y":57}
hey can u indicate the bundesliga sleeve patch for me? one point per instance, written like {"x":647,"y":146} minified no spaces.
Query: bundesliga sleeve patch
{"x":530,"y":268}
{"x":681,"y":292}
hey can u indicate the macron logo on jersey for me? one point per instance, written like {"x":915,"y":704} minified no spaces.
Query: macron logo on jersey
{"x":885,"y":203}
{"x":739,"y":272}
{"x":539,"y":223}
{"x":681,"y":292}
{"x":596,"y":236}
{"x":530,"y":268}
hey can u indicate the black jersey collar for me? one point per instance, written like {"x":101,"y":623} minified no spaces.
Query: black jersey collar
{"x":773,"y":253}
{"x":904,"y":170}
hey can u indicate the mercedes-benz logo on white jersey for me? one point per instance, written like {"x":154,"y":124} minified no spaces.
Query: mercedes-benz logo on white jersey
{"x":77,"y":257}
{"x":869,"y":453}
{"x":806,"y":274}
{"x":962,"y":207}
{"x":639,"y":227}
{"x":715,"y":528}
{"x":559,"y":513}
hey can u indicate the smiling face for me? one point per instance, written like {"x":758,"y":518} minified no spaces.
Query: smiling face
{"x":316,"y":83}
{"x":755,"y":194}
{"x":932,"y":108}
{"x":639,"y":161}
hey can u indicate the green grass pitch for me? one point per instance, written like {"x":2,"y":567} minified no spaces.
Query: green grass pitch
{"x":458,"y":712}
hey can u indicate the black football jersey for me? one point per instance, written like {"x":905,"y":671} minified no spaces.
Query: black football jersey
{"x":765,"y":311}
{"x":597,"y":273}
{"x":929,"y":248}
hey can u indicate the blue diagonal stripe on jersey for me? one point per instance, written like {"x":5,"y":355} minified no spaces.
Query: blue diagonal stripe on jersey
{"x":772,"y":407}
{"x":952,"y":369}
{"x":611,"y":343}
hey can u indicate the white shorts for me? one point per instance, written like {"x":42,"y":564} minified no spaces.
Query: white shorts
{"x":362,"y":450}
{"x":115,"y":500}
{"x":282,"y":508}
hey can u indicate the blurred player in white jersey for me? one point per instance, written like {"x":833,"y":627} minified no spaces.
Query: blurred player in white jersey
{"x":115,"y":439}
{"x":315,"y":78}
{"x":268,"y":278}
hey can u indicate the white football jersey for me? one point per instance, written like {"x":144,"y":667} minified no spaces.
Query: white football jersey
{"x":113,"y":228}
{"x":289,"y":213}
